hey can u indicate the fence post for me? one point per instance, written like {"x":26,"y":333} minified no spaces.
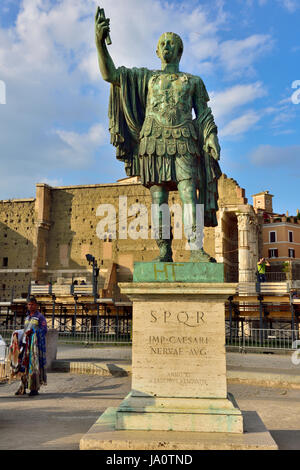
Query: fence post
{"x":75,"y":313}
{"x":293,"y":316}
{"x":53,"y":310}
{"x":260,"y":298}
{"x":230,"y":318}
{"x":97,"y":318}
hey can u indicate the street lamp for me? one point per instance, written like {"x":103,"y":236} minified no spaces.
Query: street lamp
{"x":53,"y":309}
{"x":91,"y":260}
{"x":75,"y":313}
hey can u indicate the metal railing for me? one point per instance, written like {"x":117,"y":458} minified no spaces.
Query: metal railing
{"x":275,"y":276}
{"x":270,"y":288}
{"x":236,"y":337}
{"x":266,"y":339}
{"x":115,"y":334}
{"x":94,"y":336}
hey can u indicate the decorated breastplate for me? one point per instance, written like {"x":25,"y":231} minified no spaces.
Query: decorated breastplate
{"x":169,"y":98}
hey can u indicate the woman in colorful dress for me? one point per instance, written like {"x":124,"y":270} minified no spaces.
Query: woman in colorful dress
{"x":28,"y":351}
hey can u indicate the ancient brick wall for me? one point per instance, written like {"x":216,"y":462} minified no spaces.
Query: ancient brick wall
{"x":53,"y":233}
{"x":17,"y":229}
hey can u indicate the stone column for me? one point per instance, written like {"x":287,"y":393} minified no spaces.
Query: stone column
{"x":245,"y":270}
{"x":260,"y":223}
{"x":219,"y":237}
{"x":253,"y":246}
{"x":42,"y":212}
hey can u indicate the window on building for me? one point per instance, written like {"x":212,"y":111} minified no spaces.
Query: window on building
{"x":5,"y":262}
{"x":291,"y":239}
{"x":272,"y":237}
{"x":273,"y":253}
{"x":291,"y":253}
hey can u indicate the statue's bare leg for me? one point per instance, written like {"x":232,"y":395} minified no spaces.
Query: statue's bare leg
{"x":161,"y":222}
{"x":193,"y":223}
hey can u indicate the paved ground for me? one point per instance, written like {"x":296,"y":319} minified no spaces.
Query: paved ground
{"x":60,"y":415}
{"x":82,"y":353}
{"x":70,"y":404}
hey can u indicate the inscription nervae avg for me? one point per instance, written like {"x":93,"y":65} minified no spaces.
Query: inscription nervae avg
{"x":179,"y":349}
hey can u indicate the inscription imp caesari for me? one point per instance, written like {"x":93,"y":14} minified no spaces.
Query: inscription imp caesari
{"x":178,"y":340}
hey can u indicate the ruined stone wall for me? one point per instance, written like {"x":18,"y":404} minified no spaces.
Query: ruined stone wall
{"x":53,"y":233}
{"x":73,"y":232}
{"x":74,"y":219}
{"x":17,"y":229}
{"x":230,"y":193}
{"x":228,"y":236}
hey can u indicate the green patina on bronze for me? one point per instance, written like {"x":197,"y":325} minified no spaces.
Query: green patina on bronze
{"x":178,"y":272}
{"x":152,"y":127}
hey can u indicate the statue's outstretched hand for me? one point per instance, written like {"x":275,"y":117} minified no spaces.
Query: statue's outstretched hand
{"x":212,"y":146}
{"x":102,"y":28}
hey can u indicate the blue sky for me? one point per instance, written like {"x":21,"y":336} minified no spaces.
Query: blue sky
{"x":54,"y":125}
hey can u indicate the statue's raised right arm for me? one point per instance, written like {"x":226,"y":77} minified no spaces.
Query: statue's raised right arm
{"x":106,"y":64}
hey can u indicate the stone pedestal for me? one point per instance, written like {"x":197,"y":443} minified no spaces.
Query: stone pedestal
{"x":177,"y":414}
{"x":178,"y":359}
{"x":178,"y":368}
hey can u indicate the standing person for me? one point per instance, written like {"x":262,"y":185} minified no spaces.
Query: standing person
{"x":28,"y":351}
{"x":261,"y":269}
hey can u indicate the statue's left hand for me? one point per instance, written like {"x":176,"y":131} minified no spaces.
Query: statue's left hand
{"x":212,"y":146}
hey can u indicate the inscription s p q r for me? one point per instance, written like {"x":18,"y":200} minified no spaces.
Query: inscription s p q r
{"x":191,"y":319}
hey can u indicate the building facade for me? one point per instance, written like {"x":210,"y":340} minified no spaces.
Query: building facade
{"x":280,"y":236}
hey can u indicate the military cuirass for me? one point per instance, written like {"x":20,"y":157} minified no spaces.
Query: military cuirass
{"x":169,"y":98}
{"x":168,"y":128}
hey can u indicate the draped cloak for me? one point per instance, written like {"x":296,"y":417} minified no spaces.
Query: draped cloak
{"x":127,"y":110}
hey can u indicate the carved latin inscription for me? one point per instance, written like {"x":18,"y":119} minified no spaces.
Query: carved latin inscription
{"x":178,"y":345}
{"x":191,"y":319}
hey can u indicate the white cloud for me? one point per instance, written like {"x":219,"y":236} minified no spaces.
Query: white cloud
{"x":225,"y":102}
{"x":51,"y":182}
{"x":134,"y":43}
{"x":239,"y":56}
{"x":272,"y":156}
{"x":240,"y":125}
{"x":283,"y":115}
{"x":56,"y":111}
{"x":80,"y":147}
{"x":290,"y":5}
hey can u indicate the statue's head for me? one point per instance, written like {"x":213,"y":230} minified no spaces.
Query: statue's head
{"x":169,"y":47}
